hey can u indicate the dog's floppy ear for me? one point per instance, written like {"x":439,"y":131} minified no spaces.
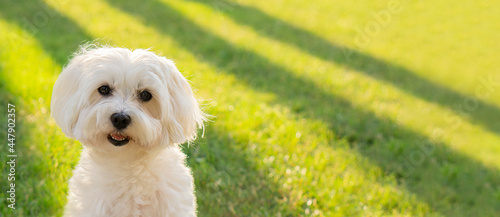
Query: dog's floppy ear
{"x":183,"y":116}
{"x":66,"y":101}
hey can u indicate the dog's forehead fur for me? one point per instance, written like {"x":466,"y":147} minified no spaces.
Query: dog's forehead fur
{"x":122,"y":69}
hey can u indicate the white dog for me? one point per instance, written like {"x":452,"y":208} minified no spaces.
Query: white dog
{"x":130,"y":110}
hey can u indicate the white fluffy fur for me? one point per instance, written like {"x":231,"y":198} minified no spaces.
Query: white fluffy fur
{"x":147,"y":176}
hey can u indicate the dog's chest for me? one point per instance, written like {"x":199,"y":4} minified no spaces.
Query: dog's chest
{"x":142,"y":191}
{"x":158,"y":188}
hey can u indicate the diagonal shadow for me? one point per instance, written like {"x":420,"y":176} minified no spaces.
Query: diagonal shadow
{"x":224,"y":175}
{"x":383,"y":141}
{"x":397,"y":75}
{"x":57,"y":34}
{"x":59,"y":37}
{"x":231,"y":171}
{"x":5,"y":98}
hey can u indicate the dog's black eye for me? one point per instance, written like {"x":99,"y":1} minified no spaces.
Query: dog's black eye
{"x":145,"y":96}
{"x":104,"y":90}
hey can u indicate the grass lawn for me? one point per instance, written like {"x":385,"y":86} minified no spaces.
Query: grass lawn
{"x":321,"y":108}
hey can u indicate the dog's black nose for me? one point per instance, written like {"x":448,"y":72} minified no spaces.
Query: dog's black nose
{"x":120,"y":120}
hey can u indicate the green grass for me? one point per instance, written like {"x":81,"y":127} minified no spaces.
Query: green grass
{"x":307,"y":121}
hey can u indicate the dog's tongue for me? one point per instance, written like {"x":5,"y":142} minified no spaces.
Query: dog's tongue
{"x":117,"y":136}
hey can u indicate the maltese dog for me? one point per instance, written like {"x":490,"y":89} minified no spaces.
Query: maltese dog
{"x":130,"y":110}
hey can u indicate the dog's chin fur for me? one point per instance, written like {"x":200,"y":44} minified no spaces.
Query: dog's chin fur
{"x":145,"y":176}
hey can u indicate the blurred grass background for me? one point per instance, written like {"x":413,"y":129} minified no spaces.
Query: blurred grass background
{"x":324,"y":108}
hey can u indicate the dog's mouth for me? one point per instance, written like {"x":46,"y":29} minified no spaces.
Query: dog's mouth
{"x":118,"y":139}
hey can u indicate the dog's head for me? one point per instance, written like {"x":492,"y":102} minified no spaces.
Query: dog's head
{"x":112,"y":97}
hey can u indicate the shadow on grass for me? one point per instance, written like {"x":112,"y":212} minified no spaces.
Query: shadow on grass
{"x":227,"y":181}
{"x":59,"y":37}
{"x":34,"y":197}
{"x":5,"y":98}
{"x":397,"y":75}
{"x":57,"y":34}
{"x":219,"y":170}
{"x":448,"y":181}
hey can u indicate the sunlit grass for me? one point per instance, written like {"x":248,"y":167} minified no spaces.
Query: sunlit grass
{"x":45,"y":155}
{"x":346,"y":84}
{"x":298,"y":129}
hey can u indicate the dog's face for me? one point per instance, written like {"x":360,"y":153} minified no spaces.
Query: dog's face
{"x":110,"y":98}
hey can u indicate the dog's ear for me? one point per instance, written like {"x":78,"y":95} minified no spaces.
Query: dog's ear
{"x":66,"y":101}
{"x":183,"y":116}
